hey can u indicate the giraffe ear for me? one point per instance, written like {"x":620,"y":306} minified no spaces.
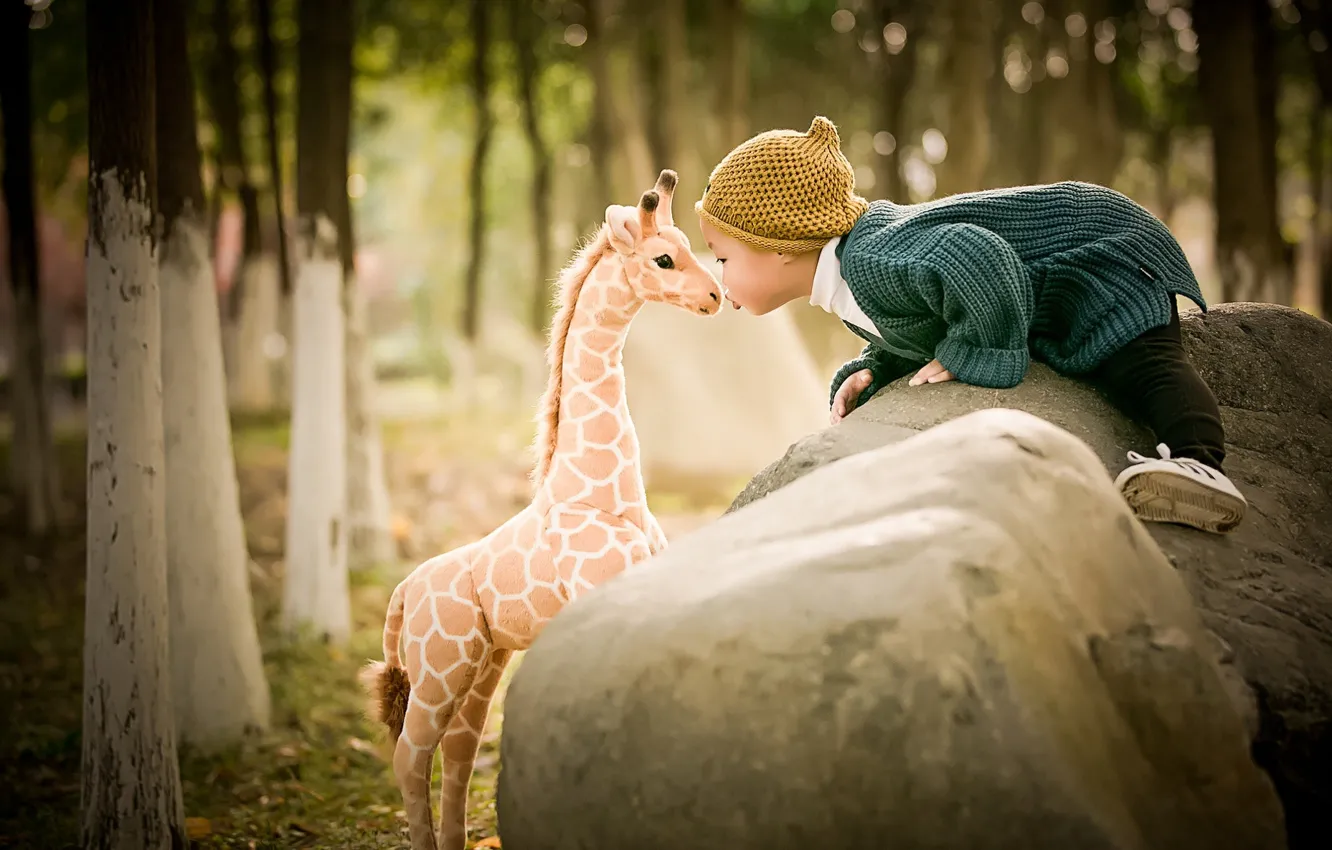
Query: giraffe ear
{"x":625,"y":231}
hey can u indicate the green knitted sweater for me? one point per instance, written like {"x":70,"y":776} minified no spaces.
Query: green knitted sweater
{"x":1067,"y":273}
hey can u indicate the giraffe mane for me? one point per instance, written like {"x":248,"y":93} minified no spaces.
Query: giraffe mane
{"x":570,"y":284}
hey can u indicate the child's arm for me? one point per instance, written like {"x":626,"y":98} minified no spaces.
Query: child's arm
{"x":885,"y":366}
{"x":981,"y":290}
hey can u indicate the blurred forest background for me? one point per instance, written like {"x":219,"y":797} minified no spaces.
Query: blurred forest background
{"x":485,"y":142}
{"x":470,"y":147}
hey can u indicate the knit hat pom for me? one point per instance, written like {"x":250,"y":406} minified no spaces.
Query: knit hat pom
{"x":825,"y":131}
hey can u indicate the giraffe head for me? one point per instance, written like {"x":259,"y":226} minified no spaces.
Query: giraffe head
{"x":655,"y":254}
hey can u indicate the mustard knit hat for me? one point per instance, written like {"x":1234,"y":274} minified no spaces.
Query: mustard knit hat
{"x":784,"y":190}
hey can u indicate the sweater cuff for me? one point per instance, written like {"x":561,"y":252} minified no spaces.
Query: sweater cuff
{"x":997,"y":368}
{"x":850,"y":368}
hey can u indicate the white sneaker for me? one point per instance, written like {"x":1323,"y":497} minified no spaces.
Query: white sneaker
{"x":1180,"y":490}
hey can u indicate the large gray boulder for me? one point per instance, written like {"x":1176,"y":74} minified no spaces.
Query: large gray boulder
{"x":963,"y":640}
{"x":1266,"y":589}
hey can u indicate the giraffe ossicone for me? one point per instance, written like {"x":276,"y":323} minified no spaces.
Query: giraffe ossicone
{"x":455,"y":621}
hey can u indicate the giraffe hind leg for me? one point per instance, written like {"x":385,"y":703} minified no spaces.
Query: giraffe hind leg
{"x":442,"y":663}
{"x":411,"y":765}
{"x":462,"y":741}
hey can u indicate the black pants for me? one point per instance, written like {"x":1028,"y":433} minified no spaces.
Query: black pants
{"x":1152,"y":380}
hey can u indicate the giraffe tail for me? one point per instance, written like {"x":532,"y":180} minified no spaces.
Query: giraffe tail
{"x":386,"y":681}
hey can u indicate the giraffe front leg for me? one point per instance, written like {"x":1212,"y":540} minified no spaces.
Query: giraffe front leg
{"x":656,"y":536}
{"x":462,"y":740}
{"x":590,"y":547}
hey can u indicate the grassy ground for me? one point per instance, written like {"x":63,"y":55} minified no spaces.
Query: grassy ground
{"x":317,"y":777}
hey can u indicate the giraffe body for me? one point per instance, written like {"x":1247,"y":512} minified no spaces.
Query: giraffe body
{"x":453,"y":624}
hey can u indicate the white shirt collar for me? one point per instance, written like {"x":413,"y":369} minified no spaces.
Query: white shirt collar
{"x":827,"y":276}
{"x":831,"y":292}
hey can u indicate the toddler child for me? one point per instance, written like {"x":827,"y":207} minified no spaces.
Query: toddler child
{"x":970,"y":287}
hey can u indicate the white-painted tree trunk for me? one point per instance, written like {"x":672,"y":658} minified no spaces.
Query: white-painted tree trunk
{"x":316,"y":593}
{"x":131,"y":794}
{"x":370,"y":540}
{"x":255,"y":338}
{"x":217,"y":669}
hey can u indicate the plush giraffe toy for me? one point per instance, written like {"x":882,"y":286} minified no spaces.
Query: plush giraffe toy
{"x":463,"y":614}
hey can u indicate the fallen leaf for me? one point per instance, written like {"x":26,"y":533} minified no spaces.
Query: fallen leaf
{"x":362,"y":746}
{"x":198,"y":827}
{"x":287,"y":751}
{"x":492,"y":842}
{"x":305,"y":827}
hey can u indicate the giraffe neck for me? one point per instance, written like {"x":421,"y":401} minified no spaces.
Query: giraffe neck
{"x":596,"y":459}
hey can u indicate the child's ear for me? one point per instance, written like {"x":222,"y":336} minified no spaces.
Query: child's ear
{"x":625,"y":231}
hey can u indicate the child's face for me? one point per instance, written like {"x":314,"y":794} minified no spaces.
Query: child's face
{"x":759,"y":281}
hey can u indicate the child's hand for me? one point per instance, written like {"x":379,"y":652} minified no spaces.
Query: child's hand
{"x":931,"y":373}
{"x":849,"y":393}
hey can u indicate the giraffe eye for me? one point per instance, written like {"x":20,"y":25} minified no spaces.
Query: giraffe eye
{"x":664,"y":261}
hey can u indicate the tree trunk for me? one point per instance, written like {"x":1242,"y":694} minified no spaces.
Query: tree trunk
{"x":316,"y":593}
{"x":1228,"y":56}
{"x":131,"y":792}
{"x":217,"y":668}
{"x":650,"y":52}
{"x":1265,"y":74}
{"x":663,"y":48}
{"x":1034,"y":109}
{"x":1316,"y":19}
{"x":252,"y":381}
{"x":893,"y":74}
{"x":1320,"y":228}
{"x":599,"y":122}
{"x":523,"y":32}
{"x":1086,"y":143}
{"x":250,"y":373}
{"x":732,"y":74}
{"x":1323,"y":235}
{"x":1004,"y":104}
{"x":632,"y":150}
{"x":1162,"y":154}
{"x":678,"y":147}
{"x":233,"y":174}
{"x":263,"y":24}
{"x":32,"y":451}
{"x":964,"y":78}
{"x":476,"y":181}
{"x":370,"y":524}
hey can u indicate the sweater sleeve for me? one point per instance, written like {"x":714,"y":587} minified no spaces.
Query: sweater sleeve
{"x":883,"y":365}
{"x":982,"y":292}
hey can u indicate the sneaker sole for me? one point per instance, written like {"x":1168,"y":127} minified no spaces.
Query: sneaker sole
{"x":1165,"y":497}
